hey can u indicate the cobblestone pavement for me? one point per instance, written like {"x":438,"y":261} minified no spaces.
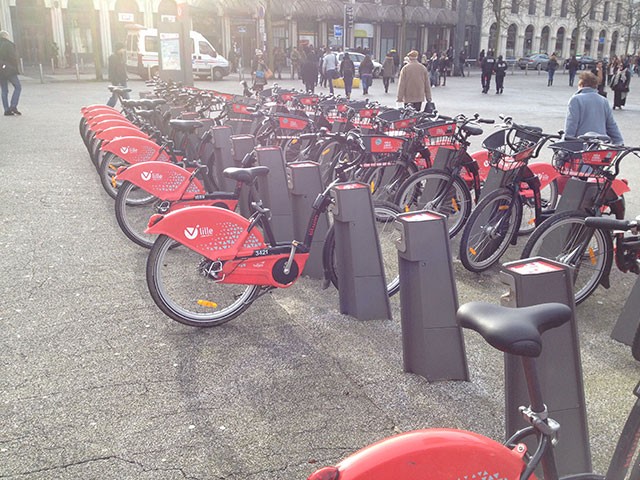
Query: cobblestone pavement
{"x":97,"y":383}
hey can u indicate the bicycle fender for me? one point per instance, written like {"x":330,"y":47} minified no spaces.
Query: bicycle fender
{"x":471,"y":174}
{"x":436,"y":454}
{"x":93,"y":110}
{"x":545,"y":173}
{"x":164,"y":180}
{"x":620,"y":186}
{"x":136,"y":150}
{"x":213,"y":232}
{"x":112,"y":122}
{"x":105,"y":117}
{"x":482,"y":159}
{"x":120,"y":131}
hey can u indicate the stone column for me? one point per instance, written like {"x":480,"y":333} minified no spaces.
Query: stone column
{"x":57,"y":29}
{"x":5,"y":18}
{"x":148,"y":13}
{"x":105,"y":30}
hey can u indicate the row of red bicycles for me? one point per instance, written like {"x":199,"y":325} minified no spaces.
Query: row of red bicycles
{"x":208,"y":262}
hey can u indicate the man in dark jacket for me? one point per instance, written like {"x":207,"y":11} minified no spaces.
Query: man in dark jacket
{"x":487,"y":65}
{"x":9,"y":75}
{"x":117,"y":71}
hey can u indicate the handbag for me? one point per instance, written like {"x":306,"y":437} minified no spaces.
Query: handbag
{"x":429,"y":107}
{"x":268,"y":74}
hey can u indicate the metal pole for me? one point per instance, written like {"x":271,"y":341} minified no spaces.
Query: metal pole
{"x":212,"y":73}
{"x":53,"y":66}
{"x":77,"y":72}
{"x":41,"y":73}
{"x":21,"y":66}
{"x":149,"y":72}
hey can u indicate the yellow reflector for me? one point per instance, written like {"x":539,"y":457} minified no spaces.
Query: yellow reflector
{"x":503,"y":207}
{"x":406,"y":208}
{"x":454,"y":203}
{"x":294,"y":141}
{"x":592,"y":256}
{"x":473,"y":251}
{"x":531,"y":221}
{"x":207,"y":303}
{"x":113,"y":182}
{"x":372,"y":186}
{"x":325,"y":151}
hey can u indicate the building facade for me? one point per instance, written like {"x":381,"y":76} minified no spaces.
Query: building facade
{"x":548,"y":26}
{"x":75,"y":31}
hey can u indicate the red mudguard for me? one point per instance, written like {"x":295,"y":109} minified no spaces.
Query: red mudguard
{"x":120,"y":131}
{"x":104,"y":117}
{"x":136,"y":150}
{"x":102,"y":126}
{"x":434,"y":454}
{"x":545,"y":173}
{"x":220,"y":234}
{"x":164,"y":180}
{"x":482,"y":159}
{"x":93,"y":110}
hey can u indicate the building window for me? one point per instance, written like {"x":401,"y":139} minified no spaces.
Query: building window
{"x":605,"y":13}
{"x":563,"y":8}
{"x":454,"y":5}
{"x":592,"y":11}
{"x":532,"y":7}
{"x":515,"y":6}
{"x":618,"y":12}
{"x":548,"y":8}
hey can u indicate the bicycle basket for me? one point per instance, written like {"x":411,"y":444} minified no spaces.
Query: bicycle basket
{"x":442,"y":134}
{"x":571,"y":158}
{"x":511,"y":148}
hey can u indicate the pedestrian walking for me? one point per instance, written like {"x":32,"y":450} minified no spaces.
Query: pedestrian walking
{"x":279,"y":62}
{"x":309,"y":73}
{"x":433,"y":68}
{"x":388,"y":68}
{"x":552,"y":66}
{"x":347,"y":72}
{"x":260,"y":72}
{"x":366,"y":74}
{"x":445,"y":69}
{"x":462,"y":59}
{"x":481,"y":56}
{"x":572,"y":66}
{"x":330,"y":68}
{"x":295,"y":62}
{"x":620,"y":85}
{"x":487,"y":66}
{"x":590,"y":112}
{"x":117,"y":72}
{"x":500,"y":70}
{"x":396,"y":62}
{"x":9,"y":75}
{"x":413,"y":85}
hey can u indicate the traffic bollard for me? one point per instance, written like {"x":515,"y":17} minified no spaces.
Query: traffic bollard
{"x":274,"y":192}
{"x":432,"y":341}
{"x":305,"y":183}
{"x":363,"y":289}
{"x":628,"y":322}
{"x":531,"y":282}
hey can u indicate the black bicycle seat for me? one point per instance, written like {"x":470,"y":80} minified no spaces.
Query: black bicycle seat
{"x":118,"y":89}
{"x":591,"y":136}
{"x":471,"y":130}
{"x":185,"y":125}
{"x":513,"y":330}
{"x":146,"y":113}
{"x":245,"y":175}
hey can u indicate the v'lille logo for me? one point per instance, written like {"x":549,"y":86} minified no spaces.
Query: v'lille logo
{"x":124,"y":150}
{"x":191,"y":232}
{"x":146,"y":176}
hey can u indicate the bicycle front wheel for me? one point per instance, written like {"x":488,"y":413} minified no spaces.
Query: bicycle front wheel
{"x":134,"y":207}
{"x":565,"y":238}
{"x":384,"y":182}
{"x":182,"y":285}
{"x":490,"y":230}
{"x":438,"y":191}
{"x":107,"y":169}
{"x":385,"y":214}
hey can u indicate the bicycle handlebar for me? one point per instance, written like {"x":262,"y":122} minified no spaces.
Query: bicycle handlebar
{"x":610,"y":223}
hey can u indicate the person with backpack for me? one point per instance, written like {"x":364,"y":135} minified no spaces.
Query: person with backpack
{"x":330,"y":68}
{"x":552,"y":66}
{"x":366,"y":74}
{"x":487,"y":65}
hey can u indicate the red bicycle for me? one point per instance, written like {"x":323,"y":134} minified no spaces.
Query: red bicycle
{"x":446,"y":454}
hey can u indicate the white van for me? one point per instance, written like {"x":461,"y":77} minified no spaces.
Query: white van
{"x":142,"y":54}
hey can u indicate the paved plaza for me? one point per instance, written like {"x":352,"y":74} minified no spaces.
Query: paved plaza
{"x":96,"y":383}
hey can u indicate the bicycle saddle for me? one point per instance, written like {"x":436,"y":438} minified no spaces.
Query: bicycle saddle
{"x":185,"y":125}
{"x":245,"y":175}
{"x":591,"y":136}
{"x":145,"y":113}
{"x":513,"y":330}
{"x":119,"y":89}
{"x":471,"y":130}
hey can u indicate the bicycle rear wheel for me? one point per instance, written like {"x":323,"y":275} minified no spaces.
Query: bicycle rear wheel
{"x":385,"y":214}
{"x":438,"y":191}
{"x":621,"y":467}
{"x":182,"y":287}
{"x":565,"y":238}
{"x":490,"y":229}
{"x":134,"y":206}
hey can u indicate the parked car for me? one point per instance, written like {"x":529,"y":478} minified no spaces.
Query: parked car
{"x":534,"y":62}
{"x":586,"y":62}
{"x":511,"y":61}
{"x":357,"y":57}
